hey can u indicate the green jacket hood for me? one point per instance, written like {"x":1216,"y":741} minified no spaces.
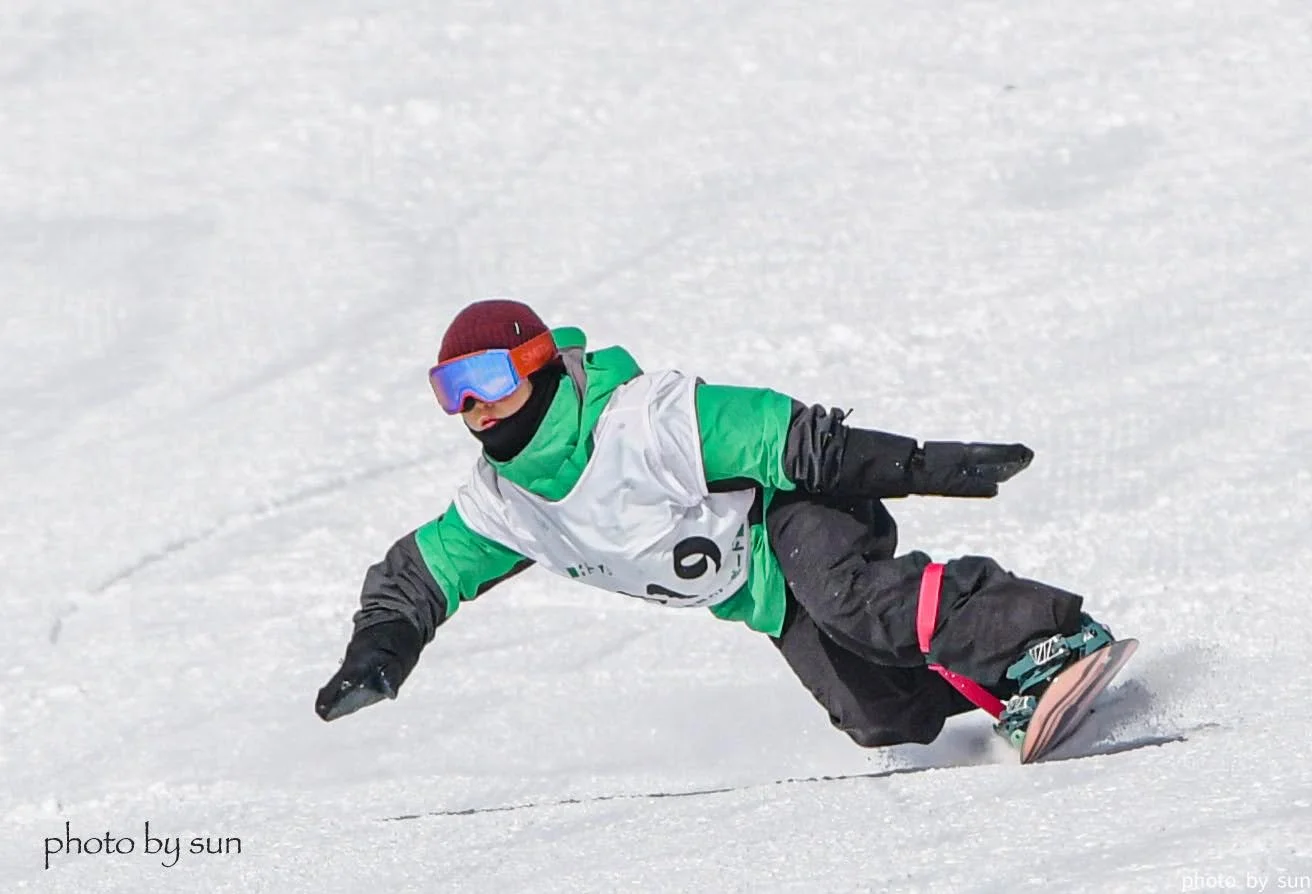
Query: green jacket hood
{"x":553,"y":460}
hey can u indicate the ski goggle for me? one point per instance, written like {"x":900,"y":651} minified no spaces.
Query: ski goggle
{"x":489,"y":375}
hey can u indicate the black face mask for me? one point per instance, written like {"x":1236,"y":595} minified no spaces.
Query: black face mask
{"x":504,"y":440}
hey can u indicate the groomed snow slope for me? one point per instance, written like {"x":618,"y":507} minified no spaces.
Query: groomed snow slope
{"x":231,"y":234}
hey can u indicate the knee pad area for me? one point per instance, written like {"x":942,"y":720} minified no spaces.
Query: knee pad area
{"x":913,"y":731}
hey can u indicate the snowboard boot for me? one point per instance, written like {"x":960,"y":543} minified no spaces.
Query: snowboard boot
{"x":1037,"y":667}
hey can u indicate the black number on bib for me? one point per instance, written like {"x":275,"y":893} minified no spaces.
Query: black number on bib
{"x":700,"y":547}
{"x":692,"y":558}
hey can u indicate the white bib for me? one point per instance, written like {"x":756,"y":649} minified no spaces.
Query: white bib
{"x":640,"y":521}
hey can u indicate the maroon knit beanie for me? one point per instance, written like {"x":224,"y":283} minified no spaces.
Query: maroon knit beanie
{"x":495,"y":323}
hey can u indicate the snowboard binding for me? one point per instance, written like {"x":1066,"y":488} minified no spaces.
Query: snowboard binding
{"x":1038,"y":667}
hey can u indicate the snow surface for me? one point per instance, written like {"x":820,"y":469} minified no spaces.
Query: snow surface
{"x":231,"y":235}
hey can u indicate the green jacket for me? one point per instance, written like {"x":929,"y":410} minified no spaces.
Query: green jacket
{"x":744,"y":435}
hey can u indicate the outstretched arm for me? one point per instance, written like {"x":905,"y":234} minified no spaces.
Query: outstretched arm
{"x":418,"y":585}
{"x":778,"y":442}
{"x":824,"y":455}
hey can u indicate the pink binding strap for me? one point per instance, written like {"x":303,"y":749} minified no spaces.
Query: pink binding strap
{"x":931,"y":585}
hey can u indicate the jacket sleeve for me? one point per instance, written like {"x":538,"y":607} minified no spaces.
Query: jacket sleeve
{"x":745,"y":436}
{"x":427,"y":574}
{"x":826,"y":456}
{"x":771,"y":439}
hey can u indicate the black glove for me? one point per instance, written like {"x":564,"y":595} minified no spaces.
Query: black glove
{"x":377,"y":661}
{"x":953,"y":469}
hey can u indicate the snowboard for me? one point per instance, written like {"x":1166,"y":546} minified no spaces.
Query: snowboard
{"x":1068,"y":699}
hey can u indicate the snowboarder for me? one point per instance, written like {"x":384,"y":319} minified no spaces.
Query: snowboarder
{"x":741,"y":500}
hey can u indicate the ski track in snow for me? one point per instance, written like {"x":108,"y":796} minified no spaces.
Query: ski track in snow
{"x":231,"y":238}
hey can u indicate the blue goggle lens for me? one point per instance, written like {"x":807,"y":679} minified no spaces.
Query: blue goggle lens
{"x":487,"y":376}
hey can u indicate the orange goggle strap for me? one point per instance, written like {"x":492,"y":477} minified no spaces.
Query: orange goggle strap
{"x":527,"y":358}
{"x":534,"y":354}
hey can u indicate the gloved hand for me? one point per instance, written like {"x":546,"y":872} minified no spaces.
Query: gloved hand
{"x":954,"y":469}
{"x":377,"y":661}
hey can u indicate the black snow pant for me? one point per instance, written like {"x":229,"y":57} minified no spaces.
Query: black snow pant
{"x":850,"y":629}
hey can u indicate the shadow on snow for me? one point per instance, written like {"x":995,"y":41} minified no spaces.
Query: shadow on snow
{"x":1068,"y":751}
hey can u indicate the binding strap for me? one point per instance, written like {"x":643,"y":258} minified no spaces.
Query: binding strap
{"x":931,"y":585}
